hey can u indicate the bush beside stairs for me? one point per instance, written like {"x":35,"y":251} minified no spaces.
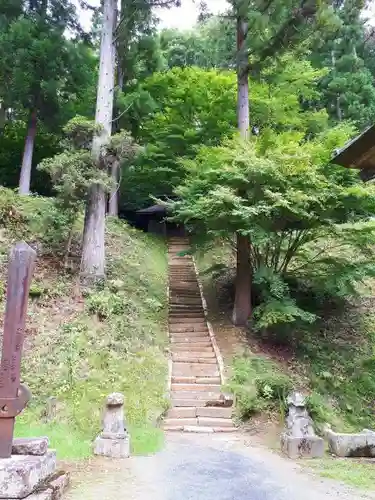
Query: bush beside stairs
{"x":196,"y":378}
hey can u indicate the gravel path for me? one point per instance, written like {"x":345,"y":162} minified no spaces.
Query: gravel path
{"x":204,"y":467}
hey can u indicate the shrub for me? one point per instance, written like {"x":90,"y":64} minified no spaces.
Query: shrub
{"x":258,"y":385}
{"x":105,"y":303}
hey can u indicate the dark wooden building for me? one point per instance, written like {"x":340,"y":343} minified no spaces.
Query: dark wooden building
{"x":155,"y":220}
{"x":359,"y":153}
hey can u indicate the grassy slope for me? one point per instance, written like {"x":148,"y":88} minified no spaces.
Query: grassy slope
{"x":81,"y":349}
{"x":332,"y":360}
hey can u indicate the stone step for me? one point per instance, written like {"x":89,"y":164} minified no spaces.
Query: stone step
{"x":181,"y":322}
{"x":198,"y":396}
{"x":187,"y":348}
{"x":193,"y":358}
{"x":194,"y":304}
{"x":215,"y":388}
{"x":214,"y":412}
{"x":188,"y":340}
{"x":215,"y":422}
{"x":196,"y":380}
{"x":182,"y":412}
{"x":187,"y":312}
{"x":194,"y":333}
{"x":196,"y":369}
{"x":201,"y":355}
{"x":199,"y":429}
{"x":191,"y":333}
{"x":180,"y":422}
{"x":178,"y":403}
{"x":181,"y":307}
{"x":174,"y":316}
{"x":199,"y":324}
{"x":184,"y":295}
{"x":187,"y":328}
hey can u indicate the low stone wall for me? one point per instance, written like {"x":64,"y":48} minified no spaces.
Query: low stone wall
{"x":351,"y":445}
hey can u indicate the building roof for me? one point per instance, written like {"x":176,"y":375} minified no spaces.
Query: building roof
{"x":153,"y":210}
{"x":359,"y":153}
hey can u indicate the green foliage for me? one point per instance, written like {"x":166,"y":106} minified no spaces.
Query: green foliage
{"x":258,"y":385}
{"x":175,"y":112}
{"x":105,"y":304}
{"x":35,"y":220}
{"x":12,"y":139}
{"x":280,"y":193}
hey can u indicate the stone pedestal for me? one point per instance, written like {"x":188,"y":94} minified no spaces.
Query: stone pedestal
{"x":114,"y":440}
{"x":299,"y":439}
{"x":352,"y":445}
{"x":32,"y":475}
{"x":299,"y":447}
{"x":21,"y":474}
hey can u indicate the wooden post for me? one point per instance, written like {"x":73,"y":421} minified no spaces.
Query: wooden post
{"x":13,"y":395}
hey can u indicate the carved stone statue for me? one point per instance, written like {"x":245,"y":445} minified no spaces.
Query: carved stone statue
{"x":299,"y":439}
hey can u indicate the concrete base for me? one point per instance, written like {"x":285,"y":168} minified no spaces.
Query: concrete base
{"x":352,"y":445}
{"x":20,"y":475}
{"x":112,"y":448}
{"x":298,"y":447}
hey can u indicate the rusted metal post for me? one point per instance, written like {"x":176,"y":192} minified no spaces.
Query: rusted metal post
{"x":13,"y":395}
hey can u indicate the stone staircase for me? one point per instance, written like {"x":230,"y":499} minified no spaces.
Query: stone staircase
{"x":198,"y":404}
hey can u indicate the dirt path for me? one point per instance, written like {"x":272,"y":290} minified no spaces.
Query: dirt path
{"x":205,"y":467}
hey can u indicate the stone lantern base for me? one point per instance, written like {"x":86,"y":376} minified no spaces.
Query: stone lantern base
{"x":31,"y":472}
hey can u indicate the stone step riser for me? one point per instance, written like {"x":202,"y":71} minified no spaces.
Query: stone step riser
{"x":182,"y":412}
{"x":216,"y":388}
{"x":196,"y":396}
{"x":181,"y":322}
{"x":193,"y":334}
{"x":183,"y":319}
{"x":199,"y":421}
{"x":197,"y":380}
{"x":194,"y":359}
{"x":192,"y":349}
{"x":197,"y":370}
{"x":194,"y":341}
{"x":201,"y":355}
{"x":187,"y":329}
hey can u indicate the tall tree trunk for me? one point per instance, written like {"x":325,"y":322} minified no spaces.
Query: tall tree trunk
{"x":113,"y":199}
{"x":27,"y":159}
{"x":3,"y":116}
{"x":242,"y":301}
{"x":93,"y":251}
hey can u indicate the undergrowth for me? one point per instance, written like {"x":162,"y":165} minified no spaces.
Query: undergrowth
{"x":332,"y":359}
{"x":80,"y":349}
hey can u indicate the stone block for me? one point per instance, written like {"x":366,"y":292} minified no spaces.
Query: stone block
{"x":112,"y":448}
{"x":302,"y":447}
{"x":58,"y":485}
{"x":20,"y":475}
{"x":352,"y":445}
{"x":30,"y":446}
{"x":42,"y":495}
